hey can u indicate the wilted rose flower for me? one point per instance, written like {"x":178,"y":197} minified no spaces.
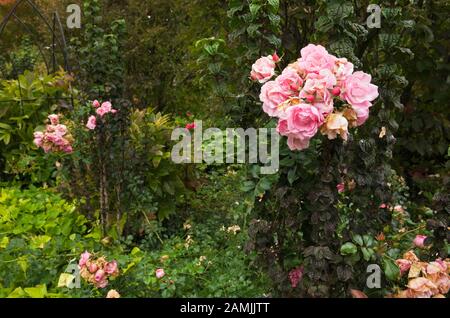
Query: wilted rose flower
{"x":404,"y":265}
{"x":99,"y":275}
{"x":113,"y":294}
{"x":335,"y":124}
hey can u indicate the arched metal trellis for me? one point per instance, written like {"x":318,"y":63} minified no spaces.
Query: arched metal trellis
{"x":58,"y":40}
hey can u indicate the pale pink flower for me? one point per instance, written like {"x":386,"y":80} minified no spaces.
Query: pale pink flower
{"x":54,"y":119}
{"x":112,"y":268}
{"x":96,"y":104}
{"x":419,"y":240}
{"x":107,"y":106}
{"x":289,"y":81}
{"x":304,"y":120}
{"x":272,"y":95}
{"x":282,"y":127}
{"x":358,"y":91}
{"x":296,"y":143}
{"x":92,"y":123}
{"x":340,"y":187}
{"x":315,"y":58}
{"x":38,"y":136}
{"x":160,"y":273}
{"x":343,"y":69}
{"x":102,"y":284}
{"x":101,"y":111}
{"x":263,"y":69}
{"x":99,"y":275}
{"x":84,"y":258}
{"x":92,"y":268}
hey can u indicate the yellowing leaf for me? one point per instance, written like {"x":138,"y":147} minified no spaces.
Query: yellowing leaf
{"x":17,"y":293}
{"x":4,"y":242}
{"x":65,"y":280}
{"x":37,"y":292}
{"x":39,"y":241}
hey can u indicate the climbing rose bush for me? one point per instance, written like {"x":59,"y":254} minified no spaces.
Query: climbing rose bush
{"x":97,"y":271}
{"x":101,"y":110}
{"x":56,"y":137}
{"x":318,"y":93}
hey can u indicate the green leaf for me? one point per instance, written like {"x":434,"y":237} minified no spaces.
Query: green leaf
{"x":348,"y":249}
{"x":366,"y":253}
{"x":37,"y":292}
{"x":275,"y":4}
{"x":254,"y":8}
{"x":391,"y":269}
{"x":358,"y":240}
{"x":324,"y":24}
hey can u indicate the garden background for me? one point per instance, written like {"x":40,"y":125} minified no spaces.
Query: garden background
{"x":222,"y":230}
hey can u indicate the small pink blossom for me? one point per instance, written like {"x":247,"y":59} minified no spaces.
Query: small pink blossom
{"x":96,"y":104}
{"x":111,"y":268}
{"x":304,"y":120}
{"x":419,"y":240}
{"x":92,"y":123}
{"x":295,"y":276}
{"x":54,"y":119}
{"x":99,"y":275}
{"x":340,"y":187}
{"x":160,"y":273}
{"x":38,"y":136}
{"x":190,"y":126}
{"x":84,"y":258}
{"x":275,"y":57}
{"x":263,"y":69}
{"x":93,"y":268}
{"x":315,"y":58}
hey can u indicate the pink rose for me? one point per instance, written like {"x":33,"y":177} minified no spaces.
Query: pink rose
{"x":68,"y":149}
{"x":343,"y":69}
{"x":419,"y":241}
{"x":96,"y":104}
{"x":263,"y":69}
{"x":290,"y":81}
{"x":38,"y":136}
{"x":340,"y":187}
{"x":60,"y":130}
{"x":99,"y":275}
{"x":111,"y":268}
{"x":315,"y":58}
{"x":101,"y":111}
{"x":106,"y":106}
{"x":282,"y":127}
{"x":295,"y":276}
{"x":358,"y":91}
{"x":296,"y":143}
{"x":362,"y":114}
{"x":84,"y":258}
{"x":404,"y":265}
{"x":304,"y":120}
{"x":54,"y":119}
{"x":92,"y":123}
{"x":190,"y":126}
{"x":272,"y":95}
{"x":102,"y":284}
{"x":92,"y":268}
{"x":160,"y":273}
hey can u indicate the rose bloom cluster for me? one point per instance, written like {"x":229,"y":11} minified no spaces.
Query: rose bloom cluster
{"x":97,"y":271}
{"x":55,"y":138}
{"x":425,"y":280}
{"x":101,"y":110}
{"x":318,"y":92}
